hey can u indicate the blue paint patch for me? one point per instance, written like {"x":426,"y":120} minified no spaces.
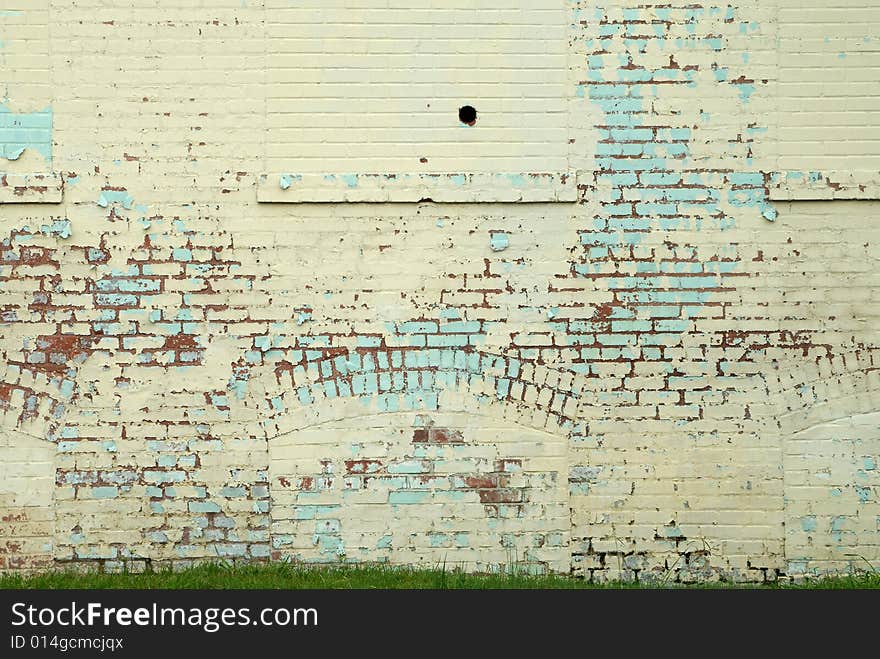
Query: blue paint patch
{"x":105,"y":492}
{"x":166,"y":461}
{"x":238,"y":385}
{"x":59,"y":228}
{"x":669,"y":208}
{"x":768,"y":212}
{"x":120,"y":197}
{"x":746,"y":90}
{"x":20,"y":131}
{"x":66,"y":388}
{"x":408,"y":497}
{"x":499,"y":241}
{"x":304,"y":395}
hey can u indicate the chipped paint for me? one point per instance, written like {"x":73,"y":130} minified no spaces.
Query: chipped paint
{"x":588,"y":365}
{"x":25,"y":130}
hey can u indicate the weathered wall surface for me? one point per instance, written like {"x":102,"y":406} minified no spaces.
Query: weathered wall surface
{"x":257,"y":302}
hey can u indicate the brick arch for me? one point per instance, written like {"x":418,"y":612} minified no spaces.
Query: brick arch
{"x":827,"y":390}
{"x":827,"y":419}
{"x":31,"y":405}
{"x":368,"y":382}
{"x":464,"y":460}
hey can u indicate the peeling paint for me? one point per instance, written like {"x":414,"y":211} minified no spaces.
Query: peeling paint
{"x":20,"y":131}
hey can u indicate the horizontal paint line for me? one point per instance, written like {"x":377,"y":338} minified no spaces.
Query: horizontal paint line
{"x":828,"y":186}
{"x":553,"y":187}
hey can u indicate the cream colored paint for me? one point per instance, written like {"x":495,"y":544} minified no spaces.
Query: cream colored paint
{"x":709,"y":476}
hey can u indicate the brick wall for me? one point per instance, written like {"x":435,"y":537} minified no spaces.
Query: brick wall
{"x":615,"y":328}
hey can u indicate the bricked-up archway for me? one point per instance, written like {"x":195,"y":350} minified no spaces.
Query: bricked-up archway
{"x":461,"y":461}
{"x":27,"y":501}
{"x":830,"y":426}
{"x":421,"y":488}
{"x":831,"y":496}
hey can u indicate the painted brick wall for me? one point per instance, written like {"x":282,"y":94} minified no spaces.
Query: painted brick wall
{"x":376,"y":86}
{"x":828,"y":60}
{"x":648,"y":350}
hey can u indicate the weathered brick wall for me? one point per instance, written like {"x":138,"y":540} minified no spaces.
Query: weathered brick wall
{"x":256,"y":303}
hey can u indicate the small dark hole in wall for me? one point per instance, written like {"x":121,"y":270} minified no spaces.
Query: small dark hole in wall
{"x":467,"y":114}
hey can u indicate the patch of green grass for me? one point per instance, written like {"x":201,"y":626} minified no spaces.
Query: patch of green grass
{"x":865,"y":580}
{"x":289,"y":576}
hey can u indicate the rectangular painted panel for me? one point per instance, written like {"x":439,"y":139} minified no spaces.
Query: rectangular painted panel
{"x":829,"y":99}
{"x":25,"y":86}
{"x":376,"y":86}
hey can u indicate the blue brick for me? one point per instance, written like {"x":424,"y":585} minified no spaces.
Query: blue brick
{"x":417,"y":327}
{"x":359,"y":384}
{"x":138,"y":285}
{"x":368,"y":362}
{"x":408,"y":497}
{"x":643,"y":208}
{"x":167,"y":460}
{"x":105,"y":492}
{"x":661,"y":339}
{"x":616,"y":339}
{"x":686,"y":194}
{"x":630,"y":223}
{"x":660,"y":178}
{"x":156,"y":476}
{"x":354,"y":362}
{"x":632,"y":134}
{"x":447,"y":341}
{"x":462,"y":327}
{"x":631,"y":326}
